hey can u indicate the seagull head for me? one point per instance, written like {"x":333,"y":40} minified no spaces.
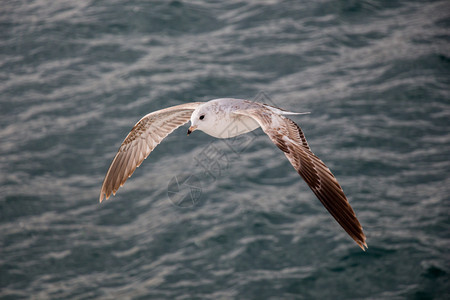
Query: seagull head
{"x":202,"y":119}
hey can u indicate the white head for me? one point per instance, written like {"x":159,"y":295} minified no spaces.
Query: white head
{"x":217,"y":118}
{"x":203,"y":118}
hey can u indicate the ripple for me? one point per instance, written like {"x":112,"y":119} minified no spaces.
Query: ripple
{"x":76,"y":76}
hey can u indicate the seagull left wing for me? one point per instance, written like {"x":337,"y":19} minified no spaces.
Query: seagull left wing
{"x":142,"y":139}
{"x":290,"y":139}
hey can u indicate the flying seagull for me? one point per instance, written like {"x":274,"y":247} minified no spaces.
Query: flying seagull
{"x":226,"y":118}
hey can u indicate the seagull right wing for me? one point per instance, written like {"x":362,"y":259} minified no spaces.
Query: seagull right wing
{"x":290,"y":139}
{"x":143,"y":138}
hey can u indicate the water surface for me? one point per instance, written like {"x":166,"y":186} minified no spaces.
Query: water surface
{"x":76,"y":75}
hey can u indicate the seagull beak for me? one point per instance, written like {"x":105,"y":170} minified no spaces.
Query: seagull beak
{"x":191,"y":129}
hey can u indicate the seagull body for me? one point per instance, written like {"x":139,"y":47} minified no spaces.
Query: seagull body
{"x":226,"y":118}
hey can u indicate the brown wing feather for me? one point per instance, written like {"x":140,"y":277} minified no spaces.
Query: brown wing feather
{"x":142,"y":139}
{"x":291,"y":140}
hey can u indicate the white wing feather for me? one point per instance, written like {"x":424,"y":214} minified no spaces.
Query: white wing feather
{"x":142,"y":139}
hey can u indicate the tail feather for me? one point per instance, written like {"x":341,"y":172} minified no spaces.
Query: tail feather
{"x":294,"y":113}
{"x":284,"y":112}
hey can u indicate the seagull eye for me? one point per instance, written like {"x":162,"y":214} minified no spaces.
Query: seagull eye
{"x":202,"y":117}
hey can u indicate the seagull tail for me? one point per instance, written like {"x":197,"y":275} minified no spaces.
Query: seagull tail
{"x":294,"y":113}
{"x":284,"y":112}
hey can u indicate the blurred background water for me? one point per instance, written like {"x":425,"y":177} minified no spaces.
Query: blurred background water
{"x":76,"y":75}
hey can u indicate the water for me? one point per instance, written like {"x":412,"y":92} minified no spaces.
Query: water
{"x":76,"y":75}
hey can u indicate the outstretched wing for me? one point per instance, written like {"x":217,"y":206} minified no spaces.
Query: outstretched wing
{"x":291,"y":140}
{"x":142,"y":139}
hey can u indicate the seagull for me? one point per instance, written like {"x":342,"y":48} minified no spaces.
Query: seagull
{"x":227,"y":118}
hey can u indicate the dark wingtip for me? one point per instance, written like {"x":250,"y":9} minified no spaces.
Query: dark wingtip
{"x":363,"y":245}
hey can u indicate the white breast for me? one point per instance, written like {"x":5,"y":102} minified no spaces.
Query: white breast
{"x":231,"y":125}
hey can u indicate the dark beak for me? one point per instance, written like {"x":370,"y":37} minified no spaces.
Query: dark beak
{"x":191,"y":129}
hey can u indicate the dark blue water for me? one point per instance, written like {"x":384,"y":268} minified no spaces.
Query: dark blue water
{"x":76,"y":75}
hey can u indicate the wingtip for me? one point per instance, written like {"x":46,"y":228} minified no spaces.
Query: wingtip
{"x":362,"y":245}
{"x":102,"y":197}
